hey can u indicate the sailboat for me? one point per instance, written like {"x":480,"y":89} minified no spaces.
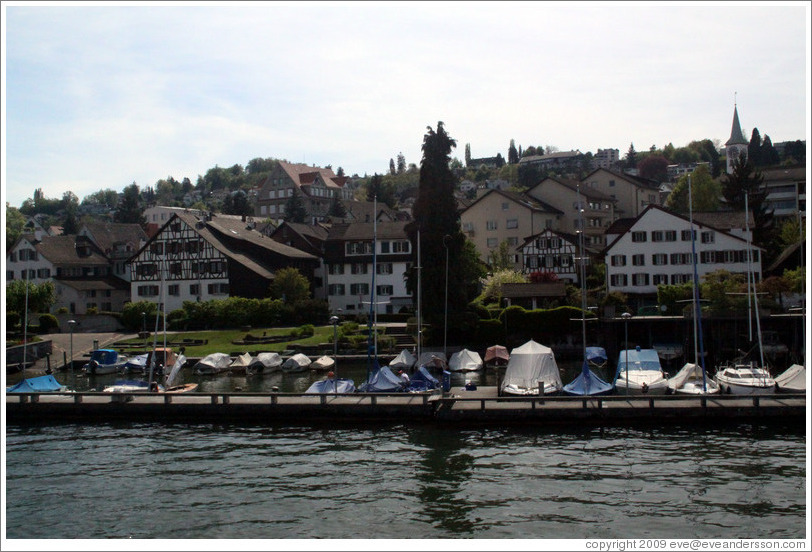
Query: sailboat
{"x":378,"y":379}
{"x":691,"y":380}
{"x":586,"y":383}
{"x":742,"y":377}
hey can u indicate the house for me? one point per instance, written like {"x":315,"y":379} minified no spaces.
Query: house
{"x":498,"y":216}
{"x":490,"y":162}
{"x":568,"y":197}
{"x":786,"y":191}
{"x":605,"y":158}
{"x":348,"y":257}
{"x":118,"y":241}
{"x":632,"y":193}
{"x":553,"y":160}
{"x":79,"y":269}
{"x":309,"y":238}
{"x":200,"y":257}
{"x":316,"y":186}
{"x":555,"y":252}
{"x":657,"y":249}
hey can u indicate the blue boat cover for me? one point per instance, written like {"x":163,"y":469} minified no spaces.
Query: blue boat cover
{"x":639,"y":359}
{"x":104,"y":356}
{"x":40,"y":384}
{"x":422,"y":380}
{"x":329,"y":386}
{"x":382,"y":380}
{"x":596,"y":355}
{"x":587,"y":383}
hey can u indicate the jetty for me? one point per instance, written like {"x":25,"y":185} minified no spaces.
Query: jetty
{"x":480,"y":407}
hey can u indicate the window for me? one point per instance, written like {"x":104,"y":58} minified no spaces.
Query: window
{"x":157,"y":248}
{"x":532,"y":261}
{"x":659,"y":259}
{"x":640,"y":279}
{"x":708,"y":237}
{"x":147,"y":291}
{"x":657,"y":235}
{"x":173,"y":289}
{"x":468,"y":226}
{"x":43,"y":273}
{"x":512,"y":223}
{"x":401,"y":246}
{"x":619,"y":279}
{"x":175,"y":269}
{"x":384,"y":268}
{"x":688,"y":235}
{"x":490,"y":225}
{"x":618,"y":260}
{"x":194,"y":289}
{"x":383,"y":290}
{"x":505,"y":206}
{"x":661,"y":279}
{"x":639,"y":260}
{"x":218,"y":289}
{"x":513,"y":242}
{"x":566,"y":261}
{"x":385,"y":247}
{"x":335,"y":289}
{"x":638,"y":236}
{"x":359,"y":268}
{"x":541,"y":243}
{"x":611,"y":183}
{"x":9,"y":274}
{"x":670,"y":235}
{"x":492,"y":243}
{"x":555,"y":243}
{"x":359,"y":289}
{"x":335,"y":268}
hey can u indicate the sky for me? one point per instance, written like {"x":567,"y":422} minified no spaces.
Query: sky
{"x":100,"y":95}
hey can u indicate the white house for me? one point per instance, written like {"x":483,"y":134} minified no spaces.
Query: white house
{"x":656,"y":249}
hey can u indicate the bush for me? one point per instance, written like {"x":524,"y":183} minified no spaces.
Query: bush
{"x":48,"y":323}
{"x":308,"y":330}
{"x":62,"y":310}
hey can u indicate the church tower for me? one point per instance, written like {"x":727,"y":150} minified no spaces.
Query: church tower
{"x":736,"y":145}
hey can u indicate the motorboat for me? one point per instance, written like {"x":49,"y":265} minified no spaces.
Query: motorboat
{"x":531,"y":367}
{"x":133,"y":386}
{"x":639,"y":372}
{"x":404,"y":361}
{"x":692,"y":380}
{"x":332,"y":385}
{"x":496,"y":355}
{"x":135,"y":364}
{"x":296,"y":363}
{"x":738,"y":378}
{"x":104,"y":361}
{"x":792,"y":380}
{"x":432,"y":359}
{"x":39,"y":384}
{"x":465,"y":361}
{"x":240,"y":364}
{"x":160,"y":358}
{"x":213,"y":364}
{"x":323,"y":363}
{"x":264,"y":363}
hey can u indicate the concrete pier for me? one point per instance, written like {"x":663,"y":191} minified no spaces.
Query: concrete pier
{"x":482,"y":407}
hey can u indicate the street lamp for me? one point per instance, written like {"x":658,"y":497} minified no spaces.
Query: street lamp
{"x":71,"y":323}
{"x":144,"y":327}
{"x":446,"y":239}
{"x":626,"y":316}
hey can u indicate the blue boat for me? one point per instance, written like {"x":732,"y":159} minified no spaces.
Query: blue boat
{"x":332,"y":385}
{"x":597,"y":356}
{"x":382,"y":380}
{"x":587,"y":383}
{"x":422,"y":380}
{"x":41,"y":384}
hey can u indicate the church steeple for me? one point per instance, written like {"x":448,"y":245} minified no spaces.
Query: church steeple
{"x":736,"y":145}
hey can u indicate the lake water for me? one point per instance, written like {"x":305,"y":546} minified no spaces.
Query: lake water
{"x":402,"y":481}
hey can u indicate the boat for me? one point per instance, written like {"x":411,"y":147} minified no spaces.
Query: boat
{"x":382,"y":380}
{"x":739,"y":378}
{"x":692,"y":380}
{"x":40,"y":384}
{"x":264,"y":363}
{"x":332,"y":385}
{"x":639,"y":372}
{"x":597,"y":357}
{"x":530,"y":367}
{"x":432,"y":359}
{"x":465,"y":361}
{"x":792,"y":380}
{"x":240,"y":364}
{"x":104,"y":361}
{"x":296,"y":363}
{"x":135,"y":364}
{"x":171,"y":385}
{"x":496,"y":356}
{"x":404,"y":361}
{"x":163,"y":357}
{"x":133,"y":386}
{"x":323,"y":363}
{"x":213,"y":364}
{"x":144,"y":386}
{"x":423,"y":381}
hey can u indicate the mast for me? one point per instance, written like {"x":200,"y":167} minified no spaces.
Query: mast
{"x":372,"y":341}
{"x":419,"y":321}
{"x":753,"y":276}
{"x":695,"y":295}
{"x":582,"y":269}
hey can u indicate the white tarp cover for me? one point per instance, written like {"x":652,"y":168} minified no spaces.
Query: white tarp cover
{"x":404,"y":361}
{"x":465,"y":361}
{"x":427,"y":358}
{"x":793,"y":379}
{"x":689,"y":371}
{"x":213,"y":363}
{"x":530,"y":364}
{"x":268,"y":360}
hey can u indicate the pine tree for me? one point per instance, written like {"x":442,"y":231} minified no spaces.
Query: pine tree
{"x":631,"y":157}
{"x":401,"y":164}
{"x":467,"y":155}
{"x":130,"y":210}
{"x":746,"y":180}
{"x":295,"y":210}
{"x":337,"y":209}
{"x":436,"y":216}
{"x":392,"y":169}
{"x":513,"y":155}
{"x":754,"y":149}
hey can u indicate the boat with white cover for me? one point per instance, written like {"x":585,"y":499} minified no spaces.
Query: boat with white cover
{"x":296,"y":363}
{"x":530,"y":367}
{"x":213,"y":364}
{"x":465,"y":361}
{"x":793,"y":380}
{"x":639,"y":372}
{"x":692,"y":380}
{"x":264,"y":363}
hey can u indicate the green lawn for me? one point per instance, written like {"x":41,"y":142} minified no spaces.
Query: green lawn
{"x":221,"y":341}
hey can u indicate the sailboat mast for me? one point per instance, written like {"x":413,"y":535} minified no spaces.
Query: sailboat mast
{"x":419,"y":321}
{"x":582,"y":269}
{"x":753,"y":276}
{"x":375,"y":268}
{"x":695,"y":295}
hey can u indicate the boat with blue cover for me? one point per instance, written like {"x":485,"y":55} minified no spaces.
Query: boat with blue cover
{"x":41,"y":384}
{"x":104,"y":361}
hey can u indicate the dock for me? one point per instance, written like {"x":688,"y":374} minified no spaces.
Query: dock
{"x":481,"y":407}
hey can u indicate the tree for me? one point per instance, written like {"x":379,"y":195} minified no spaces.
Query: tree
{"x":769,"y":155}
{"x":745,"y":180}
{"x":378,"y":188}
{"x":654,"y":167}
{"x":15,"y":223}
{"x":513,"y":155}
{"x":754,"y":149}
{"x":336,"y":210}
{"x":40,"y":296}
{"x":467,"y":155}
{"x":237,"y":203}
{"x":289,"y":285}
{"x":130,"y":210}
{"x":795,"y":152}
{"x":107,"y":198}
{"x":705,"y":192}
{"x":438,"y":221}
{"x":340,"y":171}
{"x":631,"y":157}
{"x":392,"y":169}
{"x":295,"y":210}
{"x":401,"y":163}
{"x":492,"y":285}
{"x":501,"y":257}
